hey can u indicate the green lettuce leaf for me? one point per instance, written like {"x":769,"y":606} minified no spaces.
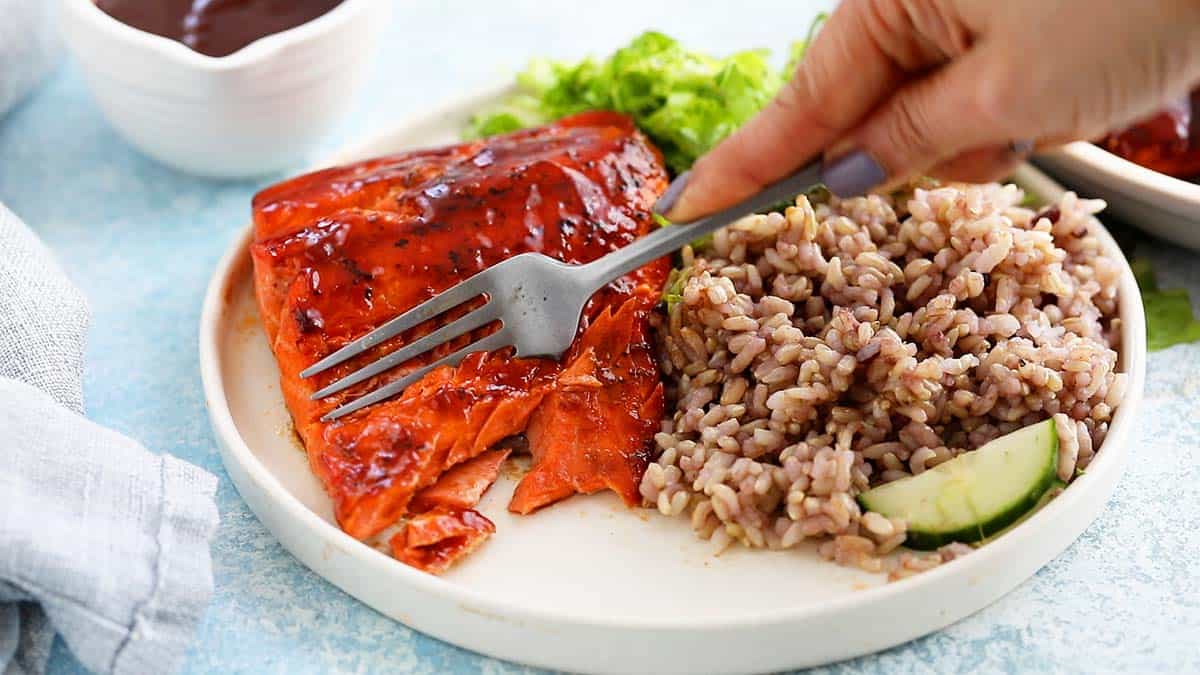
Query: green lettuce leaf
{"x":1169,"y":318}
{"x":684,"y":100}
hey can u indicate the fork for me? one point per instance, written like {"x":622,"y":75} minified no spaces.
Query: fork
{"x":537,"y":300}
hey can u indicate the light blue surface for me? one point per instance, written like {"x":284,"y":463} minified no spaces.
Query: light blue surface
{"x":142,"y":240}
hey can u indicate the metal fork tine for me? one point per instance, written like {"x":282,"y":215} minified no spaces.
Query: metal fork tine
{"x":447,"y":299}
{"x":462,"y":325}
{"x":492,"y":342}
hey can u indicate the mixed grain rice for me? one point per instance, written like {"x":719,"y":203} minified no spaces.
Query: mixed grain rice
{"x":833,"y":347}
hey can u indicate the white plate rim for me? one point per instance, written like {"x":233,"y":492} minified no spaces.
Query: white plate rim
{"x":1174,"y":194}
{"x":1105,"y":469}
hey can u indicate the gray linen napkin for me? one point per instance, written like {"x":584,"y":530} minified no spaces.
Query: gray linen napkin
{"x":101,"y":541}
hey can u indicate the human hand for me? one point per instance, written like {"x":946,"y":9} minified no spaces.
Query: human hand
{"x":959,"y":89}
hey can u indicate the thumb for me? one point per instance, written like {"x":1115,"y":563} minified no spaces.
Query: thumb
{"x":950,"y":112}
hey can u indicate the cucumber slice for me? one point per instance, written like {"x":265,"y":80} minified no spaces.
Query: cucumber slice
{"x":976,"y":494}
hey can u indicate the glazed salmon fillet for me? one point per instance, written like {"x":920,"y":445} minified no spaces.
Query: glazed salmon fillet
{"x":341,"y":251}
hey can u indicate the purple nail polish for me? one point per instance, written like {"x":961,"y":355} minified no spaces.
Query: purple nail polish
{"x":853,"y":174}
{"x":668,"y":198}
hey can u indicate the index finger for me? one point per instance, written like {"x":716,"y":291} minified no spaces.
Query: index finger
{"x":843,"y":74}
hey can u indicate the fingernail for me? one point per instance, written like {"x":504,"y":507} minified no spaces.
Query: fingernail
{"x":853,"y":174}
{"x":1021,"y":148}
{"x":668,"y":198}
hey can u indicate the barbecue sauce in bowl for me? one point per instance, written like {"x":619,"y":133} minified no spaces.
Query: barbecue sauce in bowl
{"x":1168,"y":142}
{"x":215,"y":27}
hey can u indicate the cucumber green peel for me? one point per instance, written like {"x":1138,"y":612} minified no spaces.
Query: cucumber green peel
{"x":975,"y":495}
{"x":1055,"y":490}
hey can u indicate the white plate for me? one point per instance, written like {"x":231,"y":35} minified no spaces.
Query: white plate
{"x":588,"y":585}
{"x":1155,"y":202}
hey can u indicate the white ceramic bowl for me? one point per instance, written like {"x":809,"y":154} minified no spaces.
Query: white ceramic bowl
{"x":1155,"y":202}
{"x":29,"y":48}
{"x":588,"y":585}
{"x":257,"y":110}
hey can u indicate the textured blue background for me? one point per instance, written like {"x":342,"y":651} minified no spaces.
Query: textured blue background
{"x":142,"y":240}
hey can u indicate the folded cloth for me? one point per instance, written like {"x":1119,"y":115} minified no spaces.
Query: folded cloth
{"x":101,"y":541}
{"x":29,"y":47}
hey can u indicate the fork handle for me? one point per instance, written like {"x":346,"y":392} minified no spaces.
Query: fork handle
{"x":671,"y":238}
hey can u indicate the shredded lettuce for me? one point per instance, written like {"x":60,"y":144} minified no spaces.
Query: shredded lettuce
{"x":1169,"y":317}
{"x":673,"y":289}
{"x":684,"y":100}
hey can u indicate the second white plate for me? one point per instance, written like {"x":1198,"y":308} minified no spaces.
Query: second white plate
{"x":1155,"y":202}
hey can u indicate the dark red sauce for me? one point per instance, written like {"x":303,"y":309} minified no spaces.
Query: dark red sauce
{"x":215,"y":27}
{"x":1168,"y":142}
